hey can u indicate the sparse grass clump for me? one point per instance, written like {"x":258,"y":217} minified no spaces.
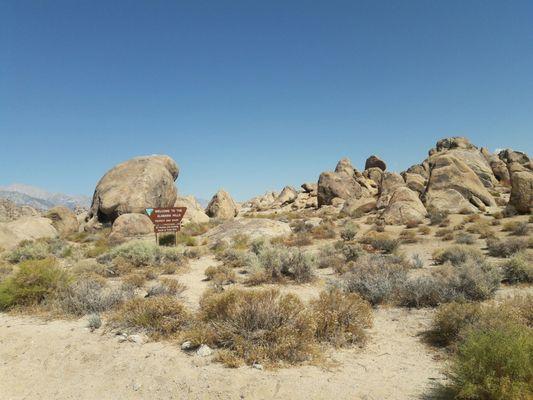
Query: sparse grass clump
{"x":437,"y":217}
{"x":166,"y":287}
{"x":140,"y":254}
{"x":256,"y":326}
{"x":505,"y":247}
{"x":482,"y":228}
{"x":159,"y":316}
{"x":39,"y":250}
{"x":408,"y":236}
{"x":424,"y":230}
{"x":381,"y":242}
{"x":299,"y":239}
{"x":341,"y":318}
{"x":519,"y":268}
{"x":34,"y":282}
{"x":235,"y":258}
{"x":326,"y":230}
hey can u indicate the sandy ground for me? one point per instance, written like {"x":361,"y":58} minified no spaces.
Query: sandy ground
{"x":64,"y":360}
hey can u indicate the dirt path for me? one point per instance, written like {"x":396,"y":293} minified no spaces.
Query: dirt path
{"x":63,"y":360}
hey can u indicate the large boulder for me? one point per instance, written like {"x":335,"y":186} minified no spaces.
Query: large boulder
{"x":254,"y":228}
{"x":130,"y":226}
{"x":375,"y":162}
{"x":374,"y":174}
{"x":345,"y":166}
{"x":337,"y":185}
{"x":522,"y":192}
{"x":195,"y":212}
{"x":358,"y":207}
{"x":415,"y":182}
{"x":64,"y":220}
{"x":222,"y":206}
{"x":453,"y":186}
{"x":288,"y":195}
{"x":134,"y":185}
{"x":25,"y":228}
{"x":311,"y":188}
{"x":462,"y":149}
{"x":404,"y":206}
{"x":510,"y":156}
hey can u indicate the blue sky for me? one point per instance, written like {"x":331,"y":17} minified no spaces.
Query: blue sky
{"x":253,"y":95}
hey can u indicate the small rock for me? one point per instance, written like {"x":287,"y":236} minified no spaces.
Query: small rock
{"x":136,"y":386}
{"x":257,"y":366}
{"x":136,"y":339}
{"x":204,"y":351}
{"x":122,"y":337}
{"x":187,"y":345}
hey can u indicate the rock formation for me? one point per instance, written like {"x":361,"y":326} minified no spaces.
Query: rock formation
{"x":222,"y":206}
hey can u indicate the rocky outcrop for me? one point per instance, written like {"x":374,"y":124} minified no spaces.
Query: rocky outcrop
{"x":311,"y":188}
{"x":522,"y":192}
{"x":404,"y":206}
{"x":254,"y":228}
{"x":337,"y":185}
{"x":358,"y":207}
{"x":64,"y":220}
{"x":345,"y":166}
{"x":222,"y":206}
{"x":130,"y":226}
{"x":134,"y":185}
{"x":375,"y":175}
{"x":453,"y":186}
{"x":390,"y":181}
{"x":26,"y":228}
{"x":195,"y":212}
{"x":462,"y":149}
{"x":415,"y":182}
{"x":375,"y":162}
{"x":10,"y":211}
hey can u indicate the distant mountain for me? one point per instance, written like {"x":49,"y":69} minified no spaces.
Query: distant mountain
{"x":35,"y":197}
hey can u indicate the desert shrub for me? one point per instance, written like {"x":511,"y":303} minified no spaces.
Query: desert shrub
{"x":341,"y":318}
{"x":457,"y":254}
{"x":98,"y":248}
{"x":196,"y":228}
{"x":134,"y":280}
{"x":519,"y":268}
{"x":166,"y":287}
{"x":349,"y":251}
{"x":221,"y":275}
{"x":376,"y":278}
{"x":235,"y":258}
{"x":470,"y":280}
{"x":437,"y":217}
{"x":326,"y":230}
{"x":94,"y":322}
{"x":443,"y":232}
{"x":330,"y":257}
{"x":34,"y":282}
{"x":424,"y":230}
{"x":381,"y":242}
{"x":159,"y":316}
{"x":349,"y":232}
{"x":407,"y":236}
{"x":497,"y":215}
{"x":482,"y":228}
{"x":471,"y":218}
{"x":464,"y":238}
{"x":451,"y":319}
{"x":494,"y":364}
{"x":505,"y":247}
{"x":139,"y":254}
{"x":275,"y":263}
{"x":521,"y":229}
{"x":40,"y":249}
{"x":86,"y":296}
{"x":256,"y":326}
{"x":299,"y":239}
{"x":29,"y":250}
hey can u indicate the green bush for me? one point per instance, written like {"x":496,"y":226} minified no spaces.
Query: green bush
{"x":140,"y":253}
{"x":34,"y":282}
{"x":349,"y":232}
{"x":519,"y":268}
{"x":494,"y":364}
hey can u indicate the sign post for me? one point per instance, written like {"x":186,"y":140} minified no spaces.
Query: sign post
{"x":166,"y":220}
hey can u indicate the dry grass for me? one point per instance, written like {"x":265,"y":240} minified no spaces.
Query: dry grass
{"x":341,"y":318}
{"x":166,"y":287}
{"x":159,"y":317}
{"x":221,"y":275}
{"x":505,"y":247}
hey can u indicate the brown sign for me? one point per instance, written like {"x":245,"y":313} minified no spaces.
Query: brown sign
{"x":166,"y":228}
{"x":166,"y":216}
